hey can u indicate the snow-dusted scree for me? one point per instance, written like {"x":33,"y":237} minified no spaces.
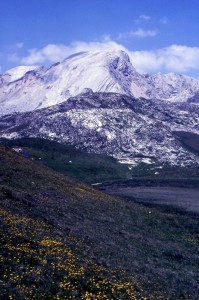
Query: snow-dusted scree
{"x":130,"y":129}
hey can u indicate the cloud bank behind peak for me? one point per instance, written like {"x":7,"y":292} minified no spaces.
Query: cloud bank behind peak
{"x":173,"y":58}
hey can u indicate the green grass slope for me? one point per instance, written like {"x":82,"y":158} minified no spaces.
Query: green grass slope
{"x":68,"y":160}
{"x":61,"y":239}
{"x":94,"y":168}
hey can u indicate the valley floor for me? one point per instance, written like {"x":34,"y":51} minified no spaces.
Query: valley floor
{"x":177,"y":197}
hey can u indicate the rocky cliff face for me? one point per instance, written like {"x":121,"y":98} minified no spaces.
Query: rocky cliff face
{"x":130,"y":129}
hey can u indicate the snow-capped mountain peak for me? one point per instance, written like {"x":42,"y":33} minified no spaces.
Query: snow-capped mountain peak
{"x":29,"y":88}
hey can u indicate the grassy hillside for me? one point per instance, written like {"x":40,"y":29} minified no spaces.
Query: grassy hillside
{"x":88,"y":167}
{"x":92,"y":168}
{"x":61,"y":239}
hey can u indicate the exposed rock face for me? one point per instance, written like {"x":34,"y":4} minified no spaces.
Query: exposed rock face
{"x":119,"y":125}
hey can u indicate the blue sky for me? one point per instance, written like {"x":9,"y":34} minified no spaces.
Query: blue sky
{"x":158,"y":35}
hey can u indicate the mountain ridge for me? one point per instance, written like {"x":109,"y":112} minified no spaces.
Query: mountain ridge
{"x":129,"y":129}
{"x":29,"y":88}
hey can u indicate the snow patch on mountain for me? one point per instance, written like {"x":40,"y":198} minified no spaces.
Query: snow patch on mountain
{"x":18,"y":72}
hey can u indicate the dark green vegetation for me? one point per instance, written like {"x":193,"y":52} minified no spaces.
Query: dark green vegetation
{"x":92,"y":168}
{"x":61,"y":239}
{"x":70,"y":161}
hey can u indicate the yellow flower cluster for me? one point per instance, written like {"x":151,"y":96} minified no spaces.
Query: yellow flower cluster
{"x":36,"y":263}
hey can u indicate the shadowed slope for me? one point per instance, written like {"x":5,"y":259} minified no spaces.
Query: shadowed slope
{"x":61,"y":239}
{"x":68,"y":160}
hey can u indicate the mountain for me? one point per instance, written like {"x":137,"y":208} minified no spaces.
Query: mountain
{"x":30,"y":88}
{"x":61,"y":239}
{"x":97,"y":101}
{"x":132,"y":130}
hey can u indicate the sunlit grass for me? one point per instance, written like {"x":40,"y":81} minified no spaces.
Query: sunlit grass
{"x":36,"y":262}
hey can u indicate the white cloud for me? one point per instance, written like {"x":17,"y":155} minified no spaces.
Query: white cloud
{"x":174,"y":58}
{"x":57,"y":52}
{"x":138,"y":33}
{"x":142,"y":33}
{"x":144,"y":17}
{"x":51,"y":52}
